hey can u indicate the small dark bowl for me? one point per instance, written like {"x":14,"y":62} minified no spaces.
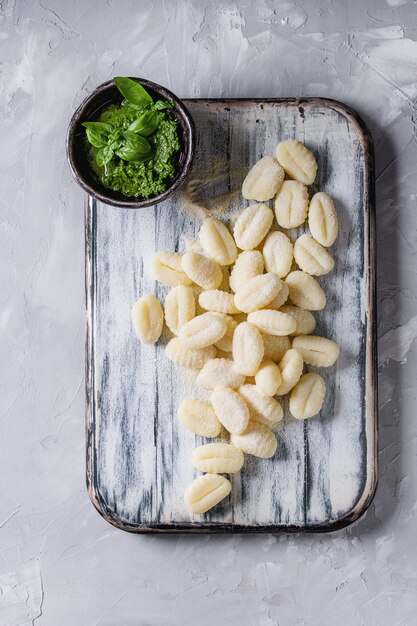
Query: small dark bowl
{"x":90,"y":110}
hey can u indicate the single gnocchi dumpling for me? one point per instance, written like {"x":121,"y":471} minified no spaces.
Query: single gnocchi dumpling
{"x":273,"y":322}
{"x":291,"y":204}
{"x":252,"y":226}
{"x":275,"y":347}
{"x":166,"y":267}
{"x":256,"y":440}
{"x":217,"y":242}
{"x":258,"y":292}
{"x":218,"y":301}
{"x":204,"y":272}
{"x":226,"y":342}
{"x":179,"y":308}
{"x":231,"y":409}
{"x":322,"y":219}
{"x":199,"y":418}
{"x":311,"y":257}
{"x":220,"y":373}
{"x":202,"y":331}
{"x":218,"y":458}
{"x":189,"y":357}
{"x":305,"y":292}
{"x":148,"y":319}
{"x":248,"y":264}
{"x":304,"y":320}
{"x":248,"y":349}
{"x":297,"y":161}
{"x":268,"y":378}
{"x":205,"y":492}
{"x":307,"y":397}
{"x":318,"y":351}
{"x":278,"y":253}
{"x":291,"y":368}
{"x":263,"y":180}
{"x":263,"y":409}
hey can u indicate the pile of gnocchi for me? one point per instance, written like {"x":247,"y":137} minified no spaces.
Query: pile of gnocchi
{"x":241,"y":314}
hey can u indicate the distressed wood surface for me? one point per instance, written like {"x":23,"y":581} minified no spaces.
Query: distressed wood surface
{"x":323,"y":475}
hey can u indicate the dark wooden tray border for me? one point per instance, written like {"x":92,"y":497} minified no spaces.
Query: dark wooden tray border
{"x":371,"y":364}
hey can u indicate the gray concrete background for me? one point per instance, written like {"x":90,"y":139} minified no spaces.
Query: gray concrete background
{"x":60,"y":563}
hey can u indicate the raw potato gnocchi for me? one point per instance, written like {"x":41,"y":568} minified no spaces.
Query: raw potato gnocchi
{"x":226,"y":342}
{"x":248,"y":349}
{"x":217,"y":242}
{"x":166,"y":267}
{"x":218,"y":458}
{"x":249,"y":264}
{"x":291,"y":204}
{"x":291,"y":368}
{"x":189,"y":357}
{"x":318,"y":351}
{"x":297,"y":161}
{"x":252,"y":226}
{"x":322,"y":219}
{"x":199,"y":418}
{"x":278,"y":253}
{"x":305,"y":292}
{"x":273,"y":322}
{"x":230,"y":408}
{"x":202,"y":331}
{"x":280,"y":299}
{"x":256,"y":440}
{"x":218,"y":301}
{"x":268,"y":378}
{"x":179,"y":308}
{"x":262,"y":409}
{"x":311,"y":257}
{"x":204,"y":272}
{"x":220,"y":373}
{"x":307,"y":397}
{"x":304,"y":320}
{"x":205,"y":492}
{"x":148,"y":319}
{"x":263,"y":180}
{"x":258,"y":292}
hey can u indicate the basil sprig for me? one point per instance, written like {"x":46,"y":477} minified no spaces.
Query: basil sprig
{"x":129,"y":145}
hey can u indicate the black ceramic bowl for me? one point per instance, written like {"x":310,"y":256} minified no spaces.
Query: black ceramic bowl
{"x":105,"y":95}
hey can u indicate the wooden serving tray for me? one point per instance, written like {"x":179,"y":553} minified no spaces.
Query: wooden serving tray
{"x":324,"y":474}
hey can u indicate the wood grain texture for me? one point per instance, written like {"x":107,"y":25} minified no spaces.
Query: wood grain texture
{"x":324,"y":473}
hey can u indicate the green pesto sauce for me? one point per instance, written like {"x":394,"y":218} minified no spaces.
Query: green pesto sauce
{"x":140,"y":179}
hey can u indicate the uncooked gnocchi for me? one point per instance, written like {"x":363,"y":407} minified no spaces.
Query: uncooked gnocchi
{"x":231,"y":409}
{"x":318,"y":351}
{"x":189,"y":357}
{"x":258,"y":292}
{"x":297,"y":161}
{"x":205,"y":492}
{"x":179,"y":308}
{"x":226,"y":342}
{"x":268,"y":378}
{"x":311,"y":257}
{"x":148,"y":318}
{"x":280,"y":299}
{"x":257,"y":440}
{"x":263,"y":409}
{"x":252,"y":226}
{"x":263,"y":180}
{"x":166,"y":267}
{"x":278,"y":253}
{"x":248,"y":264}
{"x":220,"y":373}
{"x":273,"y":322}
{"x":291,"y":368}
{"x":218,"y":458}
{"x":199,"y":418}
{"x":291,"y":204}
{"x":307,"y":397}
{"x":204,"y":272}
{"x":218,"y":301}
{"x":202,"y":331}
{"x":217,"y":242}
{"x":322,"y":219}
{"x":305,"y":292}
{"x":248,"y":349}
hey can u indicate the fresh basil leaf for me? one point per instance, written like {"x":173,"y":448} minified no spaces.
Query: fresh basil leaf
{"x":134,"y":148}
{"x":146,"y":123}
{"x":160,"y":105}
{"x":104,"y":155}
{"x":97,"y":133}
{"x":133,"y":91}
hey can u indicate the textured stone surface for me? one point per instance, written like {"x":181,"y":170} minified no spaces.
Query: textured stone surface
{"x":60,"y":563}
